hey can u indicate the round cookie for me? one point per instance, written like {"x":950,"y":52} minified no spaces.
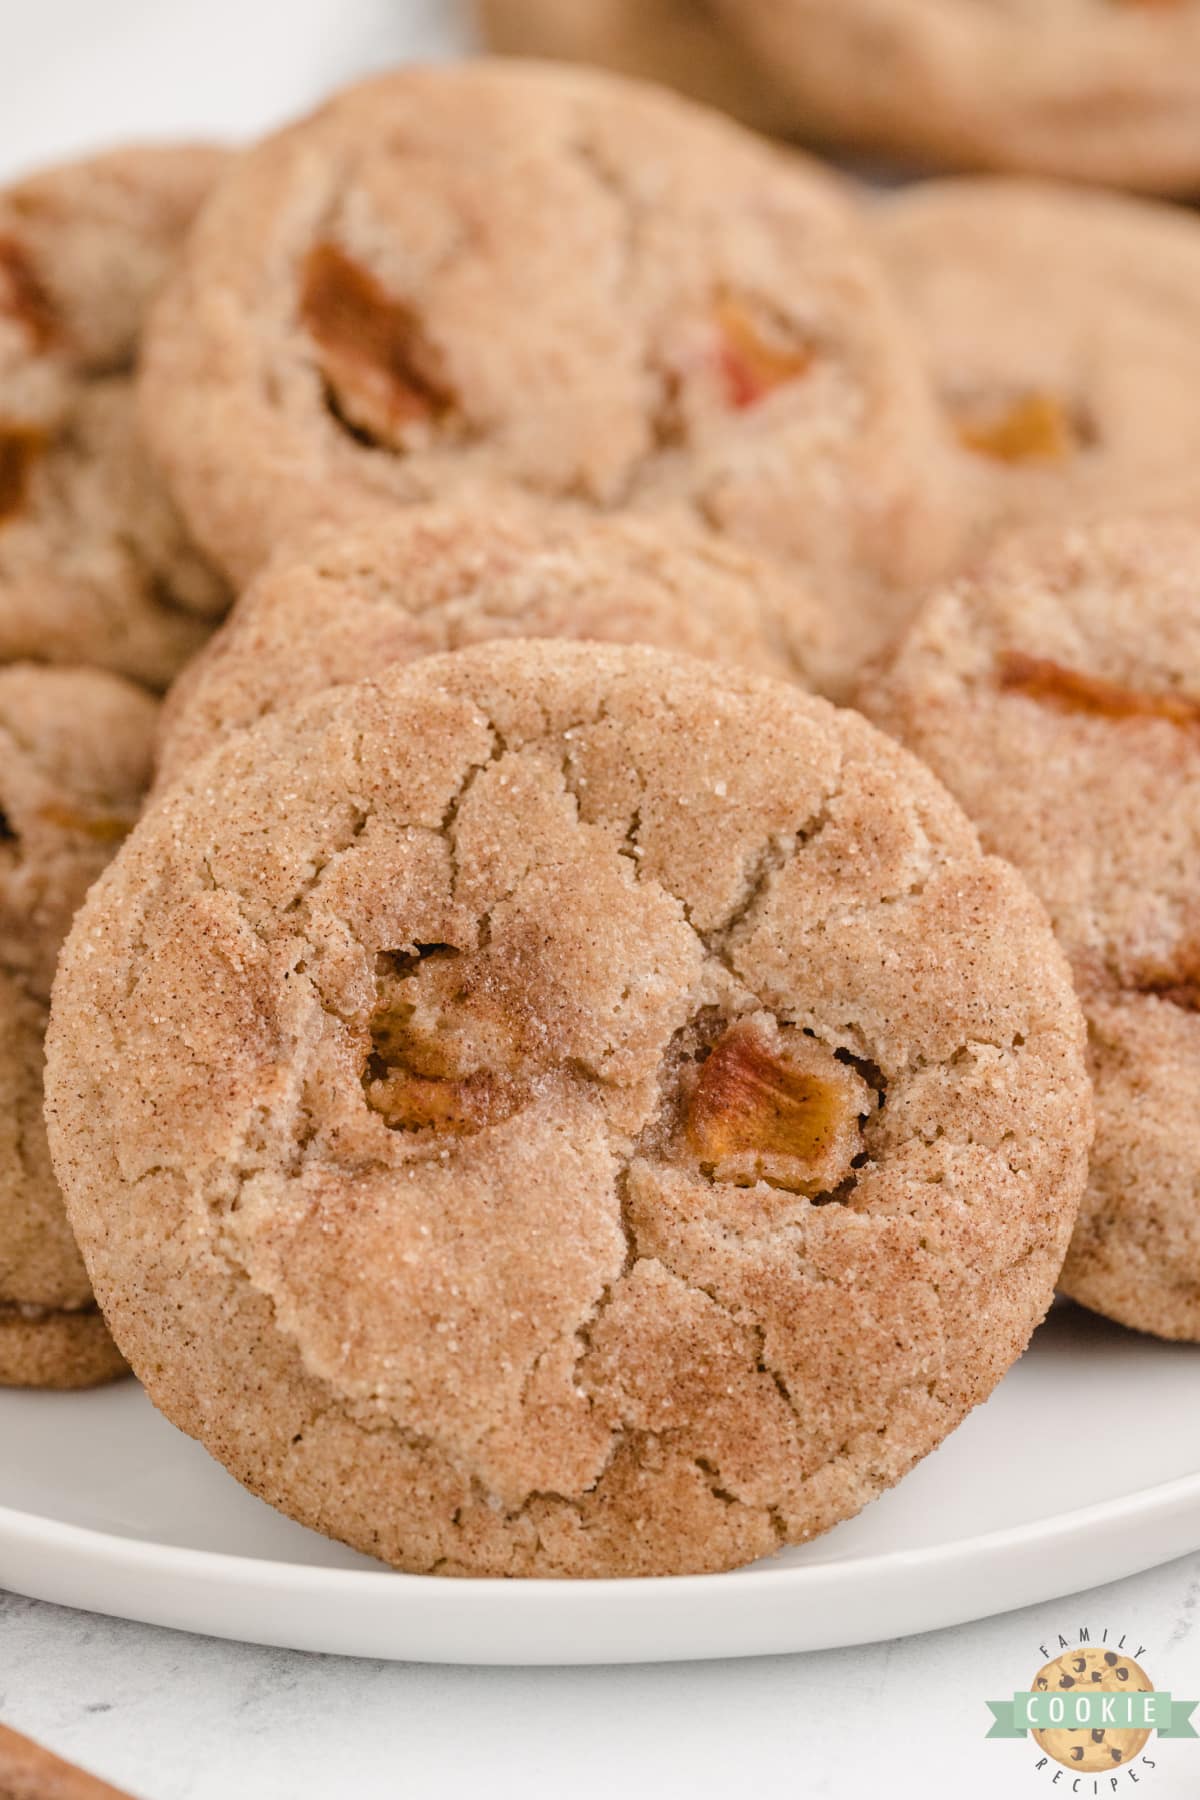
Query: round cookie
{"x":352,"y":602}
{"x":1102,"y":1671}
{"x":1059,"y":330}
{"x":497,"y":1050}
{"x":1057,"y":693}
{"x":557,"y":283}
{"x":75,"y":747}
{"x":676,"y":42}
{"x":1092,"y":90}
{"x":95,"y":565}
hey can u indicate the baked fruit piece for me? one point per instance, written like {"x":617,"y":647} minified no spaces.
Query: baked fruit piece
{"x":557,"y":283}
{"x":349,"y":603}
{"x":95,"y":565}
{"x":1093,"y":90}
{"x":493,"y":1169}
{"x":75,"y":747}
{"x":1059,"y":330}
{"x":677,"y":42}
{"x":1057,"y":693}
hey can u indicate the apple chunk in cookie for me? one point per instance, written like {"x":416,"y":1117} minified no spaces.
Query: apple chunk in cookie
{"x":769,"y":1104}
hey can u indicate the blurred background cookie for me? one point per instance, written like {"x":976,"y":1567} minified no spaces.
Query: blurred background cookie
{"x":1094,"y":90}
{"x":75,"y":748}
{"x":1057,"y":694}
{"x":353,"y":602}
{"x":95,"y":565}
{"x":1059,"y":328}
{"x":549,"y":282}
{"x":680,"y":43}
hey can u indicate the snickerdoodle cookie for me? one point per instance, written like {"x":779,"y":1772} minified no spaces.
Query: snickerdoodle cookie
{"x":349,"y":603}
{"x":1057,"y":693}
{"x":51,"y":1331}
{"x":678,"y":42}
{"x":75,"y":748}
{"x":95,"y":565}
{"x":469,"y":1090}
{"x":1093,"y":90}
{"x":559,"y":283}
{"x":1060,"y":332}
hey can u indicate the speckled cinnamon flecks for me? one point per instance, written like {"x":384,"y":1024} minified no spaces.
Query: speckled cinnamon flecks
{"x":347,"y":603}
{"x":567,"y":1110}
{"x":1057,"y":693}
{"x":75,"y":748}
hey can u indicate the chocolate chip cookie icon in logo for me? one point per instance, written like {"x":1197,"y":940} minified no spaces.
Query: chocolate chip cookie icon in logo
{"x":1093,"y":1709}
{"x":1093,"y":1671}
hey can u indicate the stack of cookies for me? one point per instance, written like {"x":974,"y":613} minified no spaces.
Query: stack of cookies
{"x":103,"y":599}
{"x":546,"y":1088}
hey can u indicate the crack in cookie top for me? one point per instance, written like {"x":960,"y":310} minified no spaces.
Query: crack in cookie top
{"x":558,"y":281}
{"x":1057,"y":693}
{"x":351,"y":602}
{"x":1095,"y":90}
{"x":94,"y":563}
{"x":1059,"y":329}
{"x":566,"y":1110}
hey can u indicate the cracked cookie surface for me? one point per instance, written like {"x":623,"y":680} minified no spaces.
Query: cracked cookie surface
{"x":75,"y":748}
{"x":351,"y":602}
{"x":1059,"y":330}
{"x":616,"y":1113}
{"x":1057,"y":693}
{"x":564,"y":284}
{"x":95,"y":565}
{"x":1090,"y":90}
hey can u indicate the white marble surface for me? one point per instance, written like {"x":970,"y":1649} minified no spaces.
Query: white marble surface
{"x":178,"y":1718}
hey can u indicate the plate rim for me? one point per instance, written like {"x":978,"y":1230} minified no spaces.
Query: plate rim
{"x":36,"y":1531}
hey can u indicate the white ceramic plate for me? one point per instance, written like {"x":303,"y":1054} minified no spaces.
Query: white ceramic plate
{"x":1084,"y":1466}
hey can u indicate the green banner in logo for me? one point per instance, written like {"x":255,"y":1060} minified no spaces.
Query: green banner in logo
{"x":1054,"y":1710}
